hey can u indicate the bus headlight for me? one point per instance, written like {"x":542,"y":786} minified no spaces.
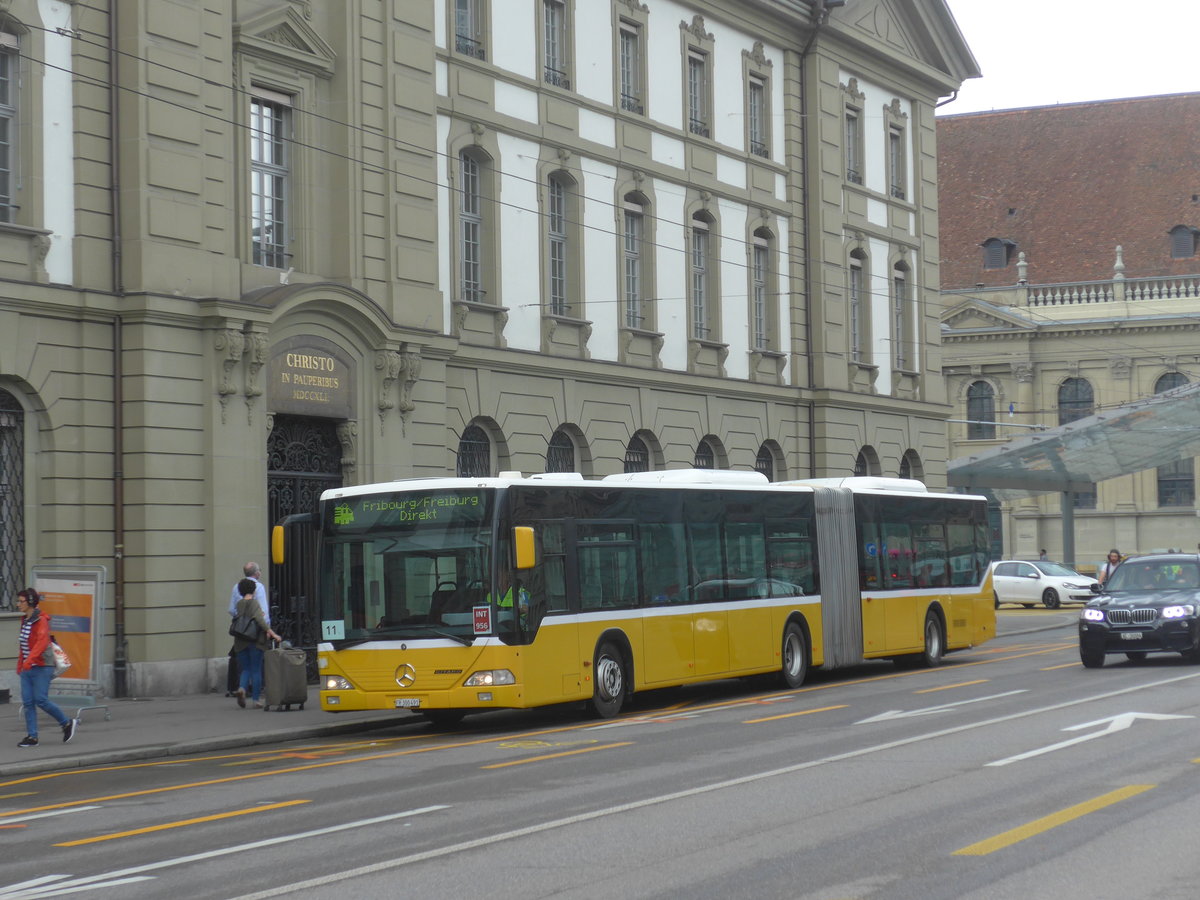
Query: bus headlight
{"x":489,"y":678}
{"x":337,"y":683}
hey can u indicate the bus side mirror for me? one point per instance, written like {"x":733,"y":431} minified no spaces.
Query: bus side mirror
{"x":524,"y":547}
{"x":277,"y":545}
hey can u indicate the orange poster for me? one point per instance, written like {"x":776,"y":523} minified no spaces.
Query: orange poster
{"x":71,"y":605}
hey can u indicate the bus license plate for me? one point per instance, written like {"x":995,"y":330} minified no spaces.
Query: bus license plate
{"x":1131,"y":635}
{"x":408,"y":702}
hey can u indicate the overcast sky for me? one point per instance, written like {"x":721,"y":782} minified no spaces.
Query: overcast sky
{"x":1042,"y":52}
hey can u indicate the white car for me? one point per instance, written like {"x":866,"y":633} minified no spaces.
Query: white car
{"x":1032,"y":581}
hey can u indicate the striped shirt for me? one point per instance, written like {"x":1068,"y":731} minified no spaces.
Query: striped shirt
{"x":26,"y":628}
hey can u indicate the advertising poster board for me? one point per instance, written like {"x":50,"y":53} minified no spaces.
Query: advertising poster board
{"x":74,"y":600}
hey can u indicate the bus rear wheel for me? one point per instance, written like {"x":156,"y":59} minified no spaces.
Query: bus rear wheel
{"x":608,"y":681}
{"x":795,"y":656}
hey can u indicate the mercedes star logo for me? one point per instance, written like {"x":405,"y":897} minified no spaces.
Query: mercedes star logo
{"x":405,"y":675}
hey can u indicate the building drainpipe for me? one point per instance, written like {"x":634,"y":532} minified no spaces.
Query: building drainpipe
{"x":820,"y":17}
{"x":120,"y":660}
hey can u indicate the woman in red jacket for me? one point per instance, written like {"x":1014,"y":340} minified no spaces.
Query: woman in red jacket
{"x":35,"y":666}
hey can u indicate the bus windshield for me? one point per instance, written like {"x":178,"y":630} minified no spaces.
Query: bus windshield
{"x":405,"y":565}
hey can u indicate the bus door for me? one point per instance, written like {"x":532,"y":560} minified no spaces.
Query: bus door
{"x":668,"y":643}
{"x":710,"y":592}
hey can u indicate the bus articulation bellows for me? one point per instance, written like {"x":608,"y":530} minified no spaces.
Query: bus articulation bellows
{"x":451,"y":595}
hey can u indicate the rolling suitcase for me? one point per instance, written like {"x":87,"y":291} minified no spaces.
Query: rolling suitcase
{"x":285,"y":678}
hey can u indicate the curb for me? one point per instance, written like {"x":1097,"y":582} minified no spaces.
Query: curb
{"x":203,"y":745}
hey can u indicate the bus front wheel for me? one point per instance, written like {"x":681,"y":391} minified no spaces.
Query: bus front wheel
{"x":608,"y":688}
{"x":795,"y":656}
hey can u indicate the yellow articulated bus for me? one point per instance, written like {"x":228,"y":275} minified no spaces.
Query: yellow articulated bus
{"x":451,"y":595}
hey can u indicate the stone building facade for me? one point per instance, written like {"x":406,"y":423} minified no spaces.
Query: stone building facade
{"x":1071,"y":286}
{"x":253,"y":249}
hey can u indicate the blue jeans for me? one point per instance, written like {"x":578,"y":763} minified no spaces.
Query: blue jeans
{"x":35,"y":695}
{"x":250,"y":663}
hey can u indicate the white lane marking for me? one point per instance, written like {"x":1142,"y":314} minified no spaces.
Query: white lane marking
{"x":374,"y":868}
{"x":1115,"y":723}
{"x":30,"y":889}
{"x":930,"y":710}
{"x":45,"y":815}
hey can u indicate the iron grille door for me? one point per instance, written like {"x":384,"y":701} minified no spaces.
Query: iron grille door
{"x":304,"y":458}
{"x":12,"y":498}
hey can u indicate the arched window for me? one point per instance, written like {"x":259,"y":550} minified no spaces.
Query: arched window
{"x":474,"y":453}
{"x":867,"y":462}
{"x":705,"y":457}
{"x":902,"y":356}
{"x":634,"y":256}
{"x":560,"y":453}
{"x":911,"y":466}
{"x":857,"y":306}
{"x":562,"y":245}
{"x":981,"y":412}
{"x":1075,"y":400}
{"x":1177,"y":480}
{"x":703,"y":255}
{"x":12,"y":497}
{"x":637,"y":455}
{"x":763,"y":327}
{"x":765,"y":462}
{"x":475,"y":268}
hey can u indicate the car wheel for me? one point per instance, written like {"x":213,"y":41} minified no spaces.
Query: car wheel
{"x":1136,"y":656}
{"x":1091,"y":657}
{"x":1050,"y":598}
{"x":1192,"y":656}
{"x":795,"y":656}
{"x":608,"y":674}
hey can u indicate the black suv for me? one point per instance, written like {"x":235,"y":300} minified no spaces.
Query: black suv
{"x":1149,"y":604}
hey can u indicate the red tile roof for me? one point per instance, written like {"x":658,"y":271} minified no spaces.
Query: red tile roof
{"x":1068,"y":184}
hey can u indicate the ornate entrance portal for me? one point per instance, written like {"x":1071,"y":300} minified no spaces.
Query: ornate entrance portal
{"x":304,"y":458}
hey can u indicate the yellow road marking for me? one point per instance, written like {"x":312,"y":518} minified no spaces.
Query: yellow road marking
{"x":803,"y":712}
{"x":521,"y":762}
{"x":946,"y":687}
{"x":1038,"y":826}
{"x":166,"y":825}
{"x":21,"y":794}
{"x":1069,"y":665}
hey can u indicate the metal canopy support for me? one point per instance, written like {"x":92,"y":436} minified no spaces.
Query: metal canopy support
{"x":1068,"y":527}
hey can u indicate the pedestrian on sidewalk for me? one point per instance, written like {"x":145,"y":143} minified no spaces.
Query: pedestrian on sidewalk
{"x":250,"y":652}
{"x":35,"y":667}
{"x":251,"y":570}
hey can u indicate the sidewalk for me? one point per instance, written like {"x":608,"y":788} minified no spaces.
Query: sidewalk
{"x":171,"y":726}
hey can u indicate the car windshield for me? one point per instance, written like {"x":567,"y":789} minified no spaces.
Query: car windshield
{"x":1154,"y":575}
{"x":1057,"y":569}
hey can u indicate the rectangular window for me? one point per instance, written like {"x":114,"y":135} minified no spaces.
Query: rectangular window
{"x":760,"y":268}
{"x":633,"y":268}
{"x":270,"y":131}
{"x":468,"y":28}
{"x":899,"y":319}
{"x":853,"y":147}
{"x":471,"y":224}
{"x":756,"y":115}
{"x":856,"y":287}
{"x":896,"y":163}
{"x":8,"y":123}
{"x":630,"y":65}
{"x":697,"y":82}
{"x":555,"y":44}
{"x":699,"y":280}
{"x":557,"y":235}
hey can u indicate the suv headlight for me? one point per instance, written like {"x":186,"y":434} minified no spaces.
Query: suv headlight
{"x":1071,"y":586}
{"x":1092,"y":615}
{"x":490,"y":678}
{"x":336,"y":683}
{"x":1178,"y":612}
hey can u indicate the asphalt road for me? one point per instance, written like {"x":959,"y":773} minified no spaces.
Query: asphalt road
{"x":1009,"y":772}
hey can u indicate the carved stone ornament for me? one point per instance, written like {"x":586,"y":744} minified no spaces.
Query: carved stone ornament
{"x":1023,"y":372}
{"x":634,"y":6}
{"x":256,"y":350}
{"x":1120,"y":367}
{"x":230,"y":345}
{"x":894,"y":110}
{"x":347,"y":435}
{"x":564,"y":155}
{"x":389,"y":364}
{"x":696,"y":29}
{"x":478,"y":129}
{"x":412,"y":374}
{"x":852,"y":91}
{"x":759,"y":57}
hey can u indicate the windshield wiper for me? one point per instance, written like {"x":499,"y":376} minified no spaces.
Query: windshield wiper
{"x":465,"y":641}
